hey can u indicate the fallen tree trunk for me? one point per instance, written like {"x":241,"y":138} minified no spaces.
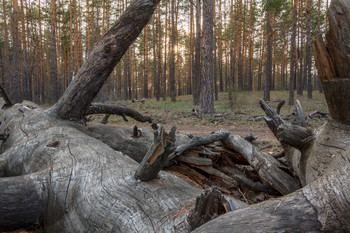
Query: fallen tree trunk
{"x":81,"y":184}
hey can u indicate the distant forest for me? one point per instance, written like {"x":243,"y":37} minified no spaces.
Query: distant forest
{"x":257,"y":45}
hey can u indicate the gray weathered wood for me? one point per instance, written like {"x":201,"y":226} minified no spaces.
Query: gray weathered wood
{"x":237,"y":174}
{"x":209,"y":205}
{"x":84,"y":184}
{"x":196,"y":160}
{"x":268,"y":168}
{"x":299,"y":117}
{"x":201,"y":140}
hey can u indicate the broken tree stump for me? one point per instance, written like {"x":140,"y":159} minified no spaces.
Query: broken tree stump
{"x":209,"y":205}
{"x":157,"y":155}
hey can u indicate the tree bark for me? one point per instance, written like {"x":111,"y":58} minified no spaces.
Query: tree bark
{"x":206,"y":91}
{"x":53,"y":55}
{"x":293,"y":54}
{"x":197,"y":66}
{"x":145,"y":64}
{"x":16,"y":63}
{"x":308,"y":60}
{"x":172,"y":88}
{"x":268,"y":61}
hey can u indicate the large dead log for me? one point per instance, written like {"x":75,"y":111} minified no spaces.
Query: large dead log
{"x":75,"y":183}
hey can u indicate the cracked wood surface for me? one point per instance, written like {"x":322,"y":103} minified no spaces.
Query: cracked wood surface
{"x":84,"y":184}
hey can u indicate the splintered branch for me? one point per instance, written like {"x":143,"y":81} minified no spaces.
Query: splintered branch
{"x":117,"y":110}
{"x":273,"y":119}
{"x":299,"y":116}
{"x":157,"y":155}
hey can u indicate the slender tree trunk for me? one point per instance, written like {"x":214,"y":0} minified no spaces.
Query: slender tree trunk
{"x":24,"y":63}
{"x":164,"y":86}
{"x":308,"y":61}
{"x":207,"y":98}
{"x":268,"y":62}
{"x":16,"y":94}
{"x":251,"y":48}
{"x":129,"y":74}
{"x":71,"y":50}
{"x":159,"y":53}
{"x":261,"y":59}
{"x":215,"y":72}
{"x":154,"y":56}
{"x":6,"y":80}
{"x":145,"y":64}
{"x":239,"y":44}
{"x":293,"y":53}
{"x":53,"y":55}
{"x":301,"y":57}
{"x":220,"y":50}
{"x":197,"y":70}
{"x":172,"y":87}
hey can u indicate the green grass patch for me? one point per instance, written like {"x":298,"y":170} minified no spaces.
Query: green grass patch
{"x":243,"y":109}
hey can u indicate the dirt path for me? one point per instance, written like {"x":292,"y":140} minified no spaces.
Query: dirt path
{"x":262,"y":131}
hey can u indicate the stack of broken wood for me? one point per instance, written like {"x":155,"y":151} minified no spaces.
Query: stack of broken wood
{"x":222,"y":159}
{"x":235,"y":165}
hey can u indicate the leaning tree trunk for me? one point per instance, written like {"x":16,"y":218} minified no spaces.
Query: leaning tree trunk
{"x":102,"y":60}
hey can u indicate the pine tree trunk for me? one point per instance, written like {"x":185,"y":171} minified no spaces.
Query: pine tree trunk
{"x":206,"y":95}
{"x":145,"y":64}
{"x":6,"y":82}
{"x":53,"y":55}
{"x":16,"y":94}
{"x":308,"y":61}
{"x":172,"y":87}
{"x":197,"y":70}
{"x":239,"y":44}
{"x":268,"y":62}
{"x":163,"y":82}
{"x":293,"y":53}
{"x":231,"y":78}
{"x":301,"y":58}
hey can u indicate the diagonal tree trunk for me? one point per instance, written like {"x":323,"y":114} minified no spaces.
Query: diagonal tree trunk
{"x":102,"y":60}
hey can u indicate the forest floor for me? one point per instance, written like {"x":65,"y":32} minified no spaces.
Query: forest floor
{"x":241,"y":115}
